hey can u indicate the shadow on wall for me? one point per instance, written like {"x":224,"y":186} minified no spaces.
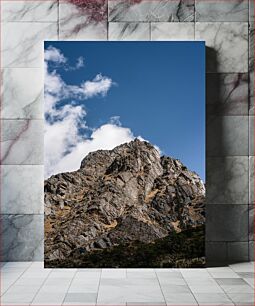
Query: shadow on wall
{"x":216,"y":182}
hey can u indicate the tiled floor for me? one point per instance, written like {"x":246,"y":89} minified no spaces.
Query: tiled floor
{"x":27,"y":283}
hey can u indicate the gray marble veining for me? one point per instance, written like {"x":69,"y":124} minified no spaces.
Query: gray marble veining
{"x":227,"y":180}
{"x":22,"y":189}
{"x":251,"y":250}
{"x":22,"y":10}
{"x":234,"y":10}
{"x":128,"y":31}
{"x":161,"y":10}
{"x":251,"y":135}
{"x":22,"y":93}
{"x":229,"y":45}
{"x":251,"y":222}
{"x":251,"y":10}
{"x":227,"y":223}
{"x":227,"y":94}
{"x":227,"y":135}
{"x":22,"y":142}
{"x":251,"y":180}
{"x":75,"y":24}
{"x":22,"y":237}
{"x":251,"y":69}
{"x":172,"y":31}
{"x":22,"y":43}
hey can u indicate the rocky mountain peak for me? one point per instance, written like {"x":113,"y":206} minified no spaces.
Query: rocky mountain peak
{"x":119,"y":197}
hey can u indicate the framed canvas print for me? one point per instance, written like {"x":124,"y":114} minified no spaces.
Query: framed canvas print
{"x":124,"y":145}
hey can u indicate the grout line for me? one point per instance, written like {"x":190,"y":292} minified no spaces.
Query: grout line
{"x":223,"y":288}
{"x":69,"y":286}
{"x":189,"y":287}
{"x":160,"y":286}
{"x":99,"y":285}
{"x":15,"y":280}
{"x":40,"y":287}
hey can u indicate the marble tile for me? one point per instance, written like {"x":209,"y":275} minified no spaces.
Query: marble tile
{"x":243,"y":267}
{"x":77,"y":23}
{"x":227,"y":180}
{"x":216,"y":253}
{"x":251,"y":93}
{"x":222,"y":272}
{"x":22,"y":237}
{"x":128,"y":31}
{"x":251,"y":250}
{"x":251,"y":10}
{"x":164,"y":10}
{"x":22,"y":189}
{"x":227,"y":94}
{"x":25,"y":48}
{"x":242,"y":299}
{"x":172,"y":31}
{"x":251,"y":222}
{"x":251,"y":69}
{"x":22,"y":142}
{"x":22,"y":93}
{"x":213,"y":299}
{"x":227,"y":135}
{"x":213,"y":10}
{"x":113,"y":273}
{"x":22,"y":10}
{"x":238,"y":251}
{"x":227,"y":45}
{"x":180,"y":299}
{"x":251,"y":181}
{"x":44,"y":298}
{"x":227,"y":223}
{"x":251,"y":135}
{"x":81,"y":297}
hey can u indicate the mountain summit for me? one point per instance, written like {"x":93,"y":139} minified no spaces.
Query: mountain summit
{"x":121,"y":202}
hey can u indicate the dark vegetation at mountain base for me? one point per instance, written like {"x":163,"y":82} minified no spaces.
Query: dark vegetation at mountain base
{"x":126,"y":207}
{"x":185,"y":249}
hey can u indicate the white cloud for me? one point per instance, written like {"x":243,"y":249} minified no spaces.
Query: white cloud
{"x":100,"y":85}
{"x":54,"y":55}
{"x":106,"y":137}
{"x":80,"y":63}
{"x":65,"y":147}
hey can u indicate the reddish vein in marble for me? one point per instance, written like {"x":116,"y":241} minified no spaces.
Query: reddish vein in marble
{"x":23,"y":130}
{"x":95,"y":10}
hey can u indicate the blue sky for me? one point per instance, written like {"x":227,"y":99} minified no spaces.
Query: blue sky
{"x":157,"y":90}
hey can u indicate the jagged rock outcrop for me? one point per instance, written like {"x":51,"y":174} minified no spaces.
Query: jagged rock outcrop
{"x":117,"y":197}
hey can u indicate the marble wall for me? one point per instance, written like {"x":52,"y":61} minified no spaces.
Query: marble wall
{"x":228,"y":29}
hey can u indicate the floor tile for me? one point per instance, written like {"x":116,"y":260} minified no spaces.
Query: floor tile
{"x":242,"y":299}
{"x":180,"y":299}
{"x":213,"y":299}
{"x":246,"y":274}
{"x":114,"y":273}
{"x":84,"y":285}
{"x":175,"y":289}
{"x":237,"y":289}
{"x":222,"y":272}
{"x":81,"y":297}
{"x":195,"y":273}
{"x":43,"y":298}
{"x":243,"y":267}
{"x":230,"y":281}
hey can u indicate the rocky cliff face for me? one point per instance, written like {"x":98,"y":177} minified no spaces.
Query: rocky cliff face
{"x":118,"y":197}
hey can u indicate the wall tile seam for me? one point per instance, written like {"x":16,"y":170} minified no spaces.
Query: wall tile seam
{"x":22,"y":214}
{"x":25,"y":21}
{"x":21,"y":119}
